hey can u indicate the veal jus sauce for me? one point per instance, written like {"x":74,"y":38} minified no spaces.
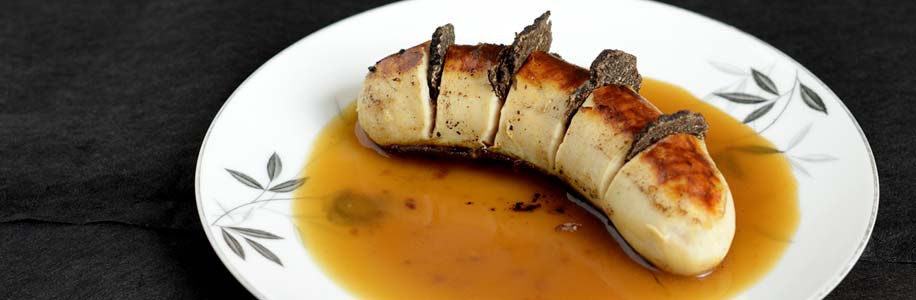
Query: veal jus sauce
{"x":411,"y":228}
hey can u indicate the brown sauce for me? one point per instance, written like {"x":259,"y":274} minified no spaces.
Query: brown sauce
{"x":395,"y":228}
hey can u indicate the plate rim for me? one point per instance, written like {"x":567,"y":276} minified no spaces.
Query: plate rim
{"x":823,"y":291}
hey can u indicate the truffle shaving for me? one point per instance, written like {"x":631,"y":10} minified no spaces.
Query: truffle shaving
{"x":615,"y":67}
{"x":680,"y":122}
{"x":443,"y":37}
{"x":611,"y":67}
{"x":535,"y":37}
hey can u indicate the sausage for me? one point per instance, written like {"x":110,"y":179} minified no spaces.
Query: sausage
{"x":467,"y":109}
{"x":650,"y":173}
{"x":394,"y":106}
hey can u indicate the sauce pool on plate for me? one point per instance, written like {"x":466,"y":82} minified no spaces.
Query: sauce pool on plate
{"x":413,"y":228}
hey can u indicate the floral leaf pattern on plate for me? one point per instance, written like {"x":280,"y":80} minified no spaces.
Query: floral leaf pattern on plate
{"x":232,"y":232}
{"x":245,"y":179}
{"x":742,"y":98}
{"x":256,"y":233}
{"x":816,"y":157}
{"x":798,"y":137}
{"x":757,"y":149}
{"x":266,"y":253}
{"x":289,"y":185}
{"x":759,"y":112}
{"x":812,"y":99}
{"x":739,"y":94}
{"x":727,"y":68}
{"x":274,"y":166}
{"x":798,"y":166}
{"x":233,"y":244}
{"x":764,"y":82}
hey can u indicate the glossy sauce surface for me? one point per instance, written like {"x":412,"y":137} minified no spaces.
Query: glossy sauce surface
{"x":397,"y":228}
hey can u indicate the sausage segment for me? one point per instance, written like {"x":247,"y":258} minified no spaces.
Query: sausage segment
{"x":467,"y":109}
{"x":394,"y":105}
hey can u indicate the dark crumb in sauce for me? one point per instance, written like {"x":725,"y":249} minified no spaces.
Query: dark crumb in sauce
{"x":560,"y":210}
{"x":441,"y":173}
{"x":470,"y":202}
{"x":410,"y":203}
{"x":492,"y":209}
{"x":567,"y":227}
{"x":532,"y":205}
{"x":522,"y":206}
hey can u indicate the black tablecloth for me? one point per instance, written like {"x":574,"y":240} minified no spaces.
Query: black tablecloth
{"x":103,"y":105}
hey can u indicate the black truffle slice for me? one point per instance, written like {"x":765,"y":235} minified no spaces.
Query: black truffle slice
{"x":680,"y":122}
{"x":615,"y":67}
{"x":611,"y":67}
{"x":443,"y":37}
{"x":535,"y":37}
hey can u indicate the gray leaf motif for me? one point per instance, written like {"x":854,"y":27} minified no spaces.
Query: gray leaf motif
{"x":727,"y":68}
{"x":764,"y":82}
{"x":816,"y":158}
{"x":798,"y":137}
{"x":742,"y":98}
{"x":725,"y":160}
{"x":799,"y":167}
{"x":245,"y":179}
{"x":266,"y":253}
{"x":274,"y":166}
{"x":256,"y":233}
{"x":233,"y":244}
{"x":289,"y":185}
{"x":812,"y":99}
{"x":757,"y":113}
{"x":757,"y":149}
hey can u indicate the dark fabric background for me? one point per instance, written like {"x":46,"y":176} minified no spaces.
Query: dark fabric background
{"x":103,"y":105}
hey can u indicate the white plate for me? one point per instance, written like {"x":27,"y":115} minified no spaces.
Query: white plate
{"x":285,"y":103}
